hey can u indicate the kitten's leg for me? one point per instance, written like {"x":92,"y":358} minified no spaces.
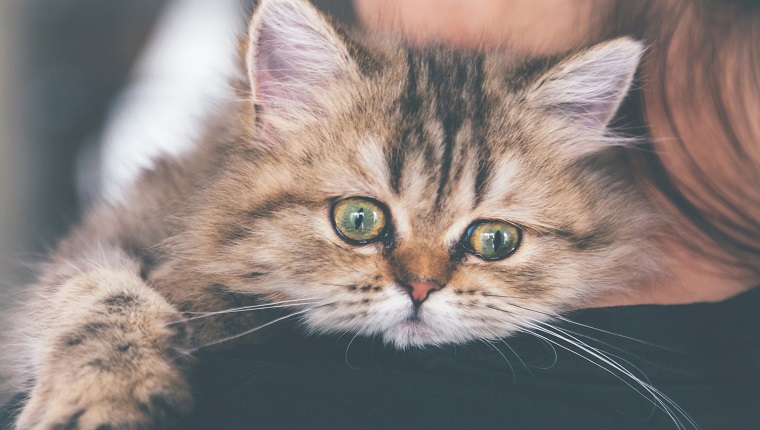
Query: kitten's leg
{"x":109,"y":354}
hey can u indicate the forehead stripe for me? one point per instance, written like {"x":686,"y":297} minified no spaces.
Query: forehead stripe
{"x":454,"y":85}
{"x":411,"y":128}
{"x":480,"y":109}
{"x":448,"y":81}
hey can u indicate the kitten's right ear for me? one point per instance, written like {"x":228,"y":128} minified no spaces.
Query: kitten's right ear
{"x":293,"y":56}
{"x":590,"y":85}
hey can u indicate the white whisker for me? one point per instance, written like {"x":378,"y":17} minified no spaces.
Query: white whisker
{"x":609,"y":345}
{"x":490,"y":344}
{"x":263,"y":306}
{"x":358,"y":332}
{"x":495,"y":336}
{"x":235,"y":336}
{"x":569,"y":321}
{"x":659,"y":400}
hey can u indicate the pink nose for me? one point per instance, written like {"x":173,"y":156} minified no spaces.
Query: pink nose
{"x":420,"y":290}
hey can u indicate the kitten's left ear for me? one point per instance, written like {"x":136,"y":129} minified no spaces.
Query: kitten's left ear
{"x":293,"y":56}
{"x":590,"y":85}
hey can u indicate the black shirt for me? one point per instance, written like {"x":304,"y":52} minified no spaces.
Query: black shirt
{"x":705,"y":357}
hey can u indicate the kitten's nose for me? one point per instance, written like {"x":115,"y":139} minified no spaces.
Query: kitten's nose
{"x":420,"y":290}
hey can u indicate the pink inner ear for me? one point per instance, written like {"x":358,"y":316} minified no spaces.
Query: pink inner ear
{"x":294,"y":55}
{"x":590,"y":86}
{"x":273,"y":76}
{"x":594,"y":100}
{"x":598,"y":109}
{"x":267,"y":86}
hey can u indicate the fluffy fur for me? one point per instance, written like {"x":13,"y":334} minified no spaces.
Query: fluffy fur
{"x":441,"y":137}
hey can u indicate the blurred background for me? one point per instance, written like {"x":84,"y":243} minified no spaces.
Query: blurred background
{"x":61,"y":63}
{"x":89,"y":89}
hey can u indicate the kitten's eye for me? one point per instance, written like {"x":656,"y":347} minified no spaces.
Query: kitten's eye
{"x":491,"y":240}
{"x":359,"y":220}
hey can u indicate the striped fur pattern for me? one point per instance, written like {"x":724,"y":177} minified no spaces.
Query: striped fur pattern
{"x":237,"y":235}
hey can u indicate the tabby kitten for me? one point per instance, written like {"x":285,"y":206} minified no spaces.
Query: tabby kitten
{"x":422,"y":195}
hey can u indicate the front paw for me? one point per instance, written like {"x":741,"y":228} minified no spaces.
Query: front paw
{"x":106,"y":403}
{"x":96,"y":382}
{"x":114,"y":359}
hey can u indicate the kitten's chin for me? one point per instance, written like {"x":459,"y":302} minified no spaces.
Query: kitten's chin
{"x":410,"y":333}
{"x":414,"y":332}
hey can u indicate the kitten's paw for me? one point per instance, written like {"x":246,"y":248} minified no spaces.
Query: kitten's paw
{"x":117,"y":361}
{"x":147,"y":404}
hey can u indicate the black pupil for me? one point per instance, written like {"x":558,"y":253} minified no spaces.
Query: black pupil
{"x":359,"y":219}
{"x":497,"y":240}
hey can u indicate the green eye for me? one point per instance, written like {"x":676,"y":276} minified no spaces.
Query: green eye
{"x":492,"y":240}
{"x":359,"y":220}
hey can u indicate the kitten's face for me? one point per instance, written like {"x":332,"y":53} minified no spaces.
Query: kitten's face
{"x":438,"y":198}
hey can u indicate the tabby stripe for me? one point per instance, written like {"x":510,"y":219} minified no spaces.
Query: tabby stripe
{"x":395,"y":164}
{"x":449,"y":87}
{"x":412,"y":128}
{"x":279,"y":203}
{"x":479,"y":109}
{"x":237,"y":229}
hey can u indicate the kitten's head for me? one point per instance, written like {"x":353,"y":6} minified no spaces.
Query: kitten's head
{"x":425,"y":195}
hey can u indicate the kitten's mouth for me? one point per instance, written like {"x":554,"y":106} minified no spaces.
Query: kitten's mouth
{"x":414,"y":325}
{"x":412,"y":331}
{"x":415,"y":321}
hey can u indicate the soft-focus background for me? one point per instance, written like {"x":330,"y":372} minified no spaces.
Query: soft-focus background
{"x":64,"y":66}
{"x":61,"y":62}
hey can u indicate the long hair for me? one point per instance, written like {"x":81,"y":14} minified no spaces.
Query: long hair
{"x":717,"y":188}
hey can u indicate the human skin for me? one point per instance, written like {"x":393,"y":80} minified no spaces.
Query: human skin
{"x":555,"y":26}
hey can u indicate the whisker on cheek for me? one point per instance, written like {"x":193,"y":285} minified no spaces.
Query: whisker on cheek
{"x":559,"y":317}
{"x":484,"y":294}
{"x":276,"y":320}
{"x":568,"y":341}
{"x":658,"y":399}
{"x":264,"y":306}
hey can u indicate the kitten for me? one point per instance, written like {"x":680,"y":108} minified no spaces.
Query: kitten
{"x":422,"y":195}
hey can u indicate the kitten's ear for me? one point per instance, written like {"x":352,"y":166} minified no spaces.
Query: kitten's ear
{"x":591,"y":84}
{"x":293,"y":55}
